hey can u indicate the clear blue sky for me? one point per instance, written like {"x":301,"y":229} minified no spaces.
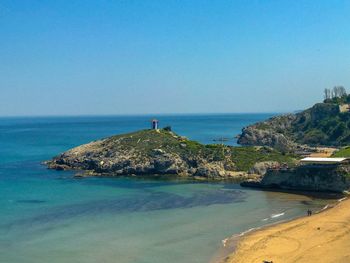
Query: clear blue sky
{"x":129,"y":57}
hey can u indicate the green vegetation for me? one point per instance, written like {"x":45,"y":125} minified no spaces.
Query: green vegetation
{"x":146,"y":141}
{"x":262,"y":126}
{"x":323,"y":124}
{"x":338,"y":100}
{"x":336,"y":95}
{"x":344,"y":152}
{"x":246,"y":157}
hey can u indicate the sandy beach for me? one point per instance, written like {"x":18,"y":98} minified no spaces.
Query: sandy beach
{"x":322,"y":237}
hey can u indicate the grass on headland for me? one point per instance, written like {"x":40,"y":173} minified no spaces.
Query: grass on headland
{"x":343,"y":152}
{"x":246,"y":157}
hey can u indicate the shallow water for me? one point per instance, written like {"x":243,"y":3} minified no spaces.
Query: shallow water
{"x":49,"y":216}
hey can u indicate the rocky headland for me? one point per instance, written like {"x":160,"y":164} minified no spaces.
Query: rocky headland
{"x":162,"y":152}
{"x":305,"y":178}
{"x":307,"y":132}
{"x":324,"y":124}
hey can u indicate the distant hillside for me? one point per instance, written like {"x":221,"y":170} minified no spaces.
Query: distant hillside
{"x":324,"y":124}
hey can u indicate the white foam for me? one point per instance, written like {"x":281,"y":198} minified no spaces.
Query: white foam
{"x":247,"y":231}
{"x":325,"y":207}
{"x":224,"y":241}
{"x":277,"y":215}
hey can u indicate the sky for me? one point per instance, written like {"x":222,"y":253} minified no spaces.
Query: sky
{"x":142,"y":57}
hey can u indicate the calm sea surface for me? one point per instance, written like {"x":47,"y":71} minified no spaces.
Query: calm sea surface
{"x":48,"y":216}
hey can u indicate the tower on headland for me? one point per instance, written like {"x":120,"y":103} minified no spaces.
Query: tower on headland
{"x":155,"y":123}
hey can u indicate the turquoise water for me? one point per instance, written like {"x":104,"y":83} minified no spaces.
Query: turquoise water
{"x":49,"y":216}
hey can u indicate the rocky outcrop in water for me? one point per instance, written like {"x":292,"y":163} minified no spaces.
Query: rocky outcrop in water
{"x":156,"y":152}
{"x":162,"y":152}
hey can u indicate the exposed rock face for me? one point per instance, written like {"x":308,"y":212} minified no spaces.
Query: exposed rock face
{"x":144,"y":153}
{"x":321,"y":125}
{"x":260,"y":168}
{"x":308,"y":178}
{"x":254,"y":136}
{"x":270,"y":133}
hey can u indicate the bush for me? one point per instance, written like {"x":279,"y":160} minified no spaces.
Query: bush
{"x":338,"y":131}
{"x":315,"y":137}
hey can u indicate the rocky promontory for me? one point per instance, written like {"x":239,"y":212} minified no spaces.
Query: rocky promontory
{"x":329,"y":178}
{"x":271,"y":132}
{"x":162,"y":152}
{"x":324,"y":124}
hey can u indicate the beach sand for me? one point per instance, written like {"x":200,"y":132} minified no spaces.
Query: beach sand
{"x":322,"y":237}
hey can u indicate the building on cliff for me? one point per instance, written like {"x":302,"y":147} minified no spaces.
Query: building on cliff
{"x":155,"y":124}
{"x":324,"y":161}
{"x":344,"y":108}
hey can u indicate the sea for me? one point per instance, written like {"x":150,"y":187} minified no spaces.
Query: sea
{"x":52,"y":216}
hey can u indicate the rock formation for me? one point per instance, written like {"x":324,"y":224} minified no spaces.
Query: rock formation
{"x":162,"y":152}
{"x":321,"y":125}
{"x":146,"y":152}
{"x":306,"y":177}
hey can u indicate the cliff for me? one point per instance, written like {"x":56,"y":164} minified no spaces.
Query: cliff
{"x":161,"y":152}
{"x":306,"y":177}
{"x":321,"y":125}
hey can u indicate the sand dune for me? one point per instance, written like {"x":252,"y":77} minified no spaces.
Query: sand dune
{"x":323,"y":237}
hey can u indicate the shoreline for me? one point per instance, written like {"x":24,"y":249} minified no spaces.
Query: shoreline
{"x":291,"y":240}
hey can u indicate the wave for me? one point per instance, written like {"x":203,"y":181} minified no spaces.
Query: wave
{"x":224,"y":241}
{"x":247,"y":231}
{"x":273,"y":216}
{"x":324,"y":208}
{"x":277,"y":215}
{"x":342,"y":199}
{"x":329,"y":205}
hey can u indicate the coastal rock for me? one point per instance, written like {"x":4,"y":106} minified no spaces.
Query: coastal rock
{"x":146,"y":152}
{"x":162,"y":152}
{"x":305,"y":178}
{"x":269,"y":133}
{"x":321,"y":125}
{"x":260,"y":168}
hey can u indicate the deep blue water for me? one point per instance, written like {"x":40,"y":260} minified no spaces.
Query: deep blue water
{"x":49,"y":216}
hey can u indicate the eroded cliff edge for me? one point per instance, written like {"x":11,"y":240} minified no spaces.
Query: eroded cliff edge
{"x":330,"y":178}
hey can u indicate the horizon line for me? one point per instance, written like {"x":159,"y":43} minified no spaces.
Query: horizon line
{"x":142,"y":114}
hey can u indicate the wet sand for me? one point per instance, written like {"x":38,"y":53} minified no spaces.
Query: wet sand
{"x":322,"y":237}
